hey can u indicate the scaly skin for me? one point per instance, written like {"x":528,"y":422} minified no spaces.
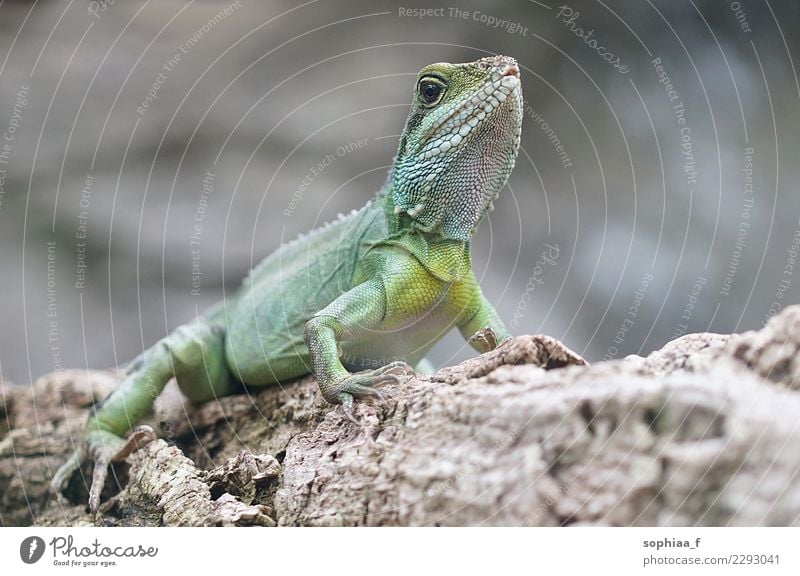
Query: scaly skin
{"x":374,"y":290}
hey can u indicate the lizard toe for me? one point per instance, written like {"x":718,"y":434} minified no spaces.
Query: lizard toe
{"x":62,"y":476}
{"x":398,"y":368}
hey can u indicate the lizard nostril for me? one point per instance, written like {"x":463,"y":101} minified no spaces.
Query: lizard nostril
{"x":510,"y":70}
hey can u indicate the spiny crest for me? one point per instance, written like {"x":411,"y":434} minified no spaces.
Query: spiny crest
{"x":303,"y":237}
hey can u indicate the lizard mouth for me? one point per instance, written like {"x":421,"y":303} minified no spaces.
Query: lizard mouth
{"x":501,"y":83}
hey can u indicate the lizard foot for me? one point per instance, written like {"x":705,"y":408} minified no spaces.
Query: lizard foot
{"x":362,"y":385}
{"x":487,"y":339}
{"x":103,"y":448}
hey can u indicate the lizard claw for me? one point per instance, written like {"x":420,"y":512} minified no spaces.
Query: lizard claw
{"x":487,"y":339}
{"x":347,"y":407}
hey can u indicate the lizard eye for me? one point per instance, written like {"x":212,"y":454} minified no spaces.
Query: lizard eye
{"x":430,"y":91}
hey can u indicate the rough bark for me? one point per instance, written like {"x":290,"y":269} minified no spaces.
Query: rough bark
{"x":702,"y":432}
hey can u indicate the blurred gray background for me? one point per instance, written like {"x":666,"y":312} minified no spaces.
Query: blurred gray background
{"x":634,"y":214}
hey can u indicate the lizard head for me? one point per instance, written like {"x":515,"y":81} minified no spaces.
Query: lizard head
{"x":458,"y":147}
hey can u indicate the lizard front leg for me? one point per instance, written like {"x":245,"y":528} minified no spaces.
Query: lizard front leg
{"x":355,"y":314}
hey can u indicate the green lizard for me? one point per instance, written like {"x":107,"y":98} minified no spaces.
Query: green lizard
{"x":373,"y":290}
